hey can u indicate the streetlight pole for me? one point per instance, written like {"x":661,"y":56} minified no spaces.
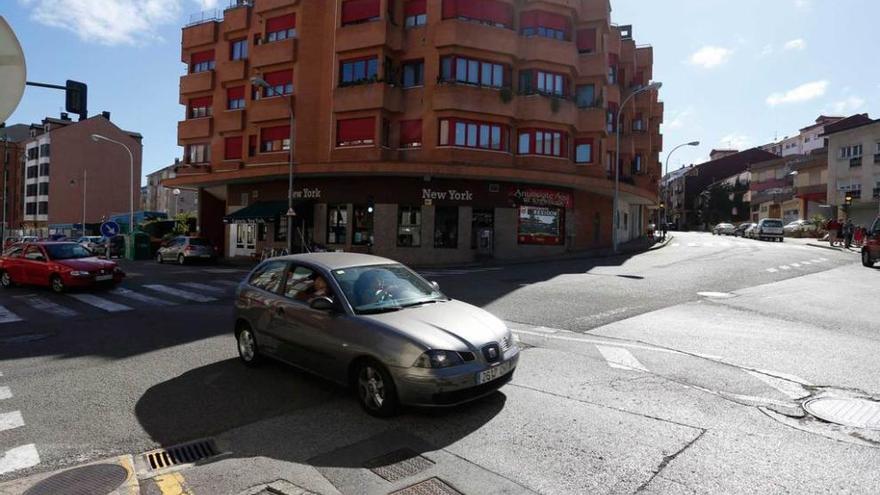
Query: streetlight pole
{"x":85,"y":185}
{"x":614,"y":211}
{"x":666,"y":168}
{"x":98,"y":137}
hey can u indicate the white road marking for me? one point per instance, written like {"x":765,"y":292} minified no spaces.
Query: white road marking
{"x":546,"y":333}
{"x":101,"y":303}
{"x":708,"y":244}
{"x":618,"y":357}
{"x":676,"y":244}
{"x":7,"y":316}
{"x":47,"y":306}
{"x":209,"y":288}
{"x":823,"y":259}
{"x":817,"y":260}
{"x":784,"y":267}
{"x":183,"y":294}
{"x":716,"y":295}
{"x":692,"y":244}
{"x":5,"y":393}
{"x":11,"y":420}
{"x":137,"y":296}
{"x":806,"y":263}
{"x":19,"y":458}
{"x":772,"y":270}
{"x":796,"y":265}
{"x":791,"y":389}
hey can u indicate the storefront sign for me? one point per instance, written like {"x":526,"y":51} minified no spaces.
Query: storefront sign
{"x":540,"y":225}
{"x":447,"y":195}
{"x":307,"y":193}
{"x":539,"y":197}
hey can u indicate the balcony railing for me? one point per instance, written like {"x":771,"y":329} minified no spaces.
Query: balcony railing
{"x":211,"y":15}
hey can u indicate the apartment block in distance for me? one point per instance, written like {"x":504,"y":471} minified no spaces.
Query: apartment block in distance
{"x":12,"y":154}
{"x":854,"y":168}
{"x":430,"y":131}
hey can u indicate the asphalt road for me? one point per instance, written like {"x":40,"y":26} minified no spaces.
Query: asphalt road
{"x":679,"y":370}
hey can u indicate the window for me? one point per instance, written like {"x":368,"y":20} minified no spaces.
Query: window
{"x":30,"y":208}
{"x":853,"y":151}
{"x":637,"y":164}
{"x":415,"y":13}
{"x":611,"y":117}
{"x":540,"y":225}
{"x":358,"y":11}
{"x":409,"y":226}
{"x":362,"y":231}
{"x":446,"y":227}
{"x":544,"y":24}
{"x":232,"y":148}
{"x":547,"y":83}
{"x":280,"y":83}
{"x":235,"y":98}
{"x":413,"y":74}
{"x":281,"y":28}
{"x":586,"y":40}
{"x":300,"y":284}
{"x":44,"y":150}
{"x":202,"y":61}
{"x":490,"y":12}
{"x":638,"y":124}
{"x":612,"y":73}
{"x":32,"y":172}
{"x":583,"y":151}
{"x":542,"y":142}
{"x":337,"y":223}
{"x":472,"y":134}
{"x":200,"y":107}
{"x":252,"y":146}
{"x":43,"y":208}
{"x":274,"y":139}
{"x":585,"y":96}
{"x":355,"y":132}
{"x":470,"y":71}
{"x":411,"y":133}
{"x":269,"y":276}
{"x":44,"y":169}
{"x":30,"y":190}
{"x":238,"y":49}
{"x":358,"y":71}
{"x":33,"y":153}
{"x":281,"y":229}
{"x":43,"y":189}
{"x":199,"y":153}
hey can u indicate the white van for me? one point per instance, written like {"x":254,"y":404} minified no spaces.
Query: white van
{"x":769,"y":228}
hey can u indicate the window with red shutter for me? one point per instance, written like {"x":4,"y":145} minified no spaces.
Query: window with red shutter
{"x":586,"y":40}
{"x":355,"y":132}
{"x":280,"y":83}
{"x":232,"y":148}
{"x":275,"y":139}
{"x":357,"y":11}
{"x":280,"y":28}
{"x":200,"y":107}
{"x":491,"y":12}
{"x":415,"y":13}
{"x":545,"y":24}
{"x":411,"y":133}
{"x":235,"y":98}
{"x":201,"y":61}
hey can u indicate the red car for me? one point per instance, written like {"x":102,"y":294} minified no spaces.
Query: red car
{"x":58,"y":265}
{"x":871,"y":247}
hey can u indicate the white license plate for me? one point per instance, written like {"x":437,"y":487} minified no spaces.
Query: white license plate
{"x":494,"y":373}
{"x":101,"y":278}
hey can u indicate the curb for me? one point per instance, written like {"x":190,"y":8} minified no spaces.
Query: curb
{"x":839,"y":250}
{"x":663,"y":244}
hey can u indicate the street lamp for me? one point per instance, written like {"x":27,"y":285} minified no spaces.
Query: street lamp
{"x":666,"y":166}
{"x":259,"y":81}
{"x":614,"y":214}
{"x":98,"y":137}
{"x":176,"y":193}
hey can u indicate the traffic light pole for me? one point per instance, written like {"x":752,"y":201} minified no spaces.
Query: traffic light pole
{"x":76,"y":96}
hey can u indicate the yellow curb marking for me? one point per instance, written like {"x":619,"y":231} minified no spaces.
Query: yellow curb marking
{"x":172,"y":484}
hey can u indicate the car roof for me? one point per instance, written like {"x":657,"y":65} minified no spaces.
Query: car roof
{"x":334,"y":261}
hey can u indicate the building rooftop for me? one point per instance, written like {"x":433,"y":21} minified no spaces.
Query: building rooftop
{"x":15,"y":132}
{"x":848,"y":123}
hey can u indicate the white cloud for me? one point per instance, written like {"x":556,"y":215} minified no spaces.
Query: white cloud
{"x":795,"y":44}
{"x":736,"y":141}
{"x":803,"y":4}
{"x":710,"y":56}
{"x":679,"y":119}
{"x":804,"y":92}
{"x":110,"y":22}
{"x":848,"y":105}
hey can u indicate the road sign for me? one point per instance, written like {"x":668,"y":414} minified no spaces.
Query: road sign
{"x":12,"y":74}
{"x":109,"y":229}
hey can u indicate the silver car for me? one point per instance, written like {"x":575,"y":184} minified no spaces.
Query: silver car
{"x":185,"y":249}
{"x":375,"y":325}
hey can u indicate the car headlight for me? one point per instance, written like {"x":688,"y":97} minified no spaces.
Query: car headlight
{"x":77,"y":273}
{"x":438,"y":359}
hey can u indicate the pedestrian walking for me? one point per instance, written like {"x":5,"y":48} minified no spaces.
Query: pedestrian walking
{"x":663,"y":229}
{"x":833,"y":229}
{"x":848,"y":234}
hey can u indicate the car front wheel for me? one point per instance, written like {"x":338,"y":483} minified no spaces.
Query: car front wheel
{"x":247,"y":347}
{"x":57,"y":284}
{"x":6,"y":280}
{"x":181,"y":260}
{"x":159,"y":258}
{"x":866,"y":259}
{"x":375,"y":389}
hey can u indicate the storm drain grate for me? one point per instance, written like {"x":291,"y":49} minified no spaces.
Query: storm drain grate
{"x":431,"y":486}
{"x":858,"y":413}
{"x":86,"y":480}
{"x":398,"y":464}
{"x":180,"y":454}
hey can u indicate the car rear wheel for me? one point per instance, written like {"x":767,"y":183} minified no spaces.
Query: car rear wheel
{"x":247,"y":347}
{"x":57,"y":284}
{"x":181,"y":260}
{"x":866,"y":260}
{"x":159,"y":258}
{"x":375,"y":389}
{"x":6,"y":280}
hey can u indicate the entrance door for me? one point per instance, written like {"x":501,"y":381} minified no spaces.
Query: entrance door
{"x":775,"y":211}
{"x":483,"y":230}
{"x":244,"y":239}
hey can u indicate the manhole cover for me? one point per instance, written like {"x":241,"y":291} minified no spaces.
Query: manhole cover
{"x":97,"y":479}
{"x":398,"y":464}
{"x":858,"y":413}
{"x":431,"y":486}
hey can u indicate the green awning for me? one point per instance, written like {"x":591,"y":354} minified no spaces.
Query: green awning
{"x":259,"y":212}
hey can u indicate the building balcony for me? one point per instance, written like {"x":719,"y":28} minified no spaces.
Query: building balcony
{"x":227,"y":166}
{"x":812,"y":190}
{"x":193,"y":169}
{"x":276,"y":52}
{"x":229,"y":121}
{"x":199,"y":35}
{"x":592,"y":65}
{"x":193,"y":129}
{"x":541,"y":108}
{"x":198,"y":82}
{"x":595,"y":10}
{"x":591,"y":119}
{"x":657,"y":110}
{"x":368,"y":97}
{"x":855,"y":162}
{"x":454,"y":32}
{"x":467,"y":98}
{"x":641,"y":140}
{"x":542,"y":49}
{"x":612,"y":94}
{"x":231,"y":70}
{"x":267,"y":5}
{"x":369,"y":34}
{"x":235,"y":19}
{"x":644,"y":56}
{"x":877,"y":158}
{"x":657,"y":142}
{"x":265,"y":109}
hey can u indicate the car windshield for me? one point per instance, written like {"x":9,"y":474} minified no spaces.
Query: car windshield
{"x":772,"y":223}
{"x":67,"y":251}
{"x":382,"y":288}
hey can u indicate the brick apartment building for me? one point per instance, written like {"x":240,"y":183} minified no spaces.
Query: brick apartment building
{"x":58,"y":152}
{"x":12,"y":153}
{"x":472,"y":127}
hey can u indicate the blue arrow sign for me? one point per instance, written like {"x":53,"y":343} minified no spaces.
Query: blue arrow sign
{"x":109,"y":229}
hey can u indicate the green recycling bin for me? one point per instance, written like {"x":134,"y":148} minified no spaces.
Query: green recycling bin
{"x":137,"y":246}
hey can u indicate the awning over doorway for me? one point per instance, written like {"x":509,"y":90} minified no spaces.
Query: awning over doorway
{"x":259,"y":212}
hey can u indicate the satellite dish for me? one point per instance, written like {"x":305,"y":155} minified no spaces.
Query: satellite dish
{"x":12,"y":71}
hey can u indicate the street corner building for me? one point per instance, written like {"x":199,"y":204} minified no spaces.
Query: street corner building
{"x":430,"y":131}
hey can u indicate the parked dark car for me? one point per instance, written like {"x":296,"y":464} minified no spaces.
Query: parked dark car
{"x":185,"y":249}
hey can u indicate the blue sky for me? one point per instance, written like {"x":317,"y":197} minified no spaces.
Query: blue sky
{"x":734,"y":72}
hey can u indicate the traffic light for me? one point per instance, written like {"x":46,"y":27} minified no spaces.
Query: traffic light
{"x":76,"y":98}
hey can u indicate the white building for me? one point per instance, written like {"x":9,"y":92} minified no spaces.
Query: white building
{"x":854,"y":167}
{"x":808,"y":139}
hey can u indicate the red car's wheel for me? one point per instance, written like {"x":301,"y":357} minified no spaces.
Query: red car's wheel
{"x":6,"y":280}
{"x":57,"y":284}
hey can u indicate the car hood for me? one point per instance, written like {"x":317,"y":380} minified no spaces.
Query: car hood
{"x":451,"y":325}
{"x":87,"y":264}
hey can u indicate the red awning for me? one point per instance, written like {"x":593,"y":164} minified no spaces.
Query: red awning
{"x":586,"y":40}
{"x":235,"y":93}
{"x":204,"y":101}
{"x":275,"y":133}
{"x":415,"y":7}
{"x":279,"y":78}
{"x":199,"y":57}
{"x":410,"y":131}
{"x":282,"y":23}
{"x":355,"y":129}
{"x":359,"y":10}
{"x":232,"y":148}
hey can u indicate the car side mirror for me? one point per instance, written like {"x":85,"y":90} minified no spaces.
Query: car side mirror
{"x":322,"y":304}
{"x":435,"y":285}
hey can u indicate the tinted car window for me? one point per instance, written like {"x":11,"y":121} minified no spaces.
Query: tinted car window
{"x":299,"y":282}
{"x":772,"y":223}
{"x":269,"y":276}
{"x":67,"y":251}
{"x":13,"y":252}
{"x":33,"y":253}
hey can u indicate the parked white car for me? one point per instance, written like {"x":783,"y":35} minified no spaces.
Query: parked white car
{"x":769,"y":228}
{"x":799,"y":226}
{"x":724,"y":229}
{"x":750,"y":231}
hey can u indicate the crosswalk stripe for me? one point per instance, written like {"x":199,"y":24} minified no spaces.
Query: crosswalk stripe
{"x":47,"y":306}
{"x":5,"y":393}
{"x":7,"y":316}
{"x":692,"y":244}
{"x":11,"y":420}
{"x":796,"y":265}
{"x":817,"y":260}
{"x":772,"y":270}
{"x":806,"y":263}
{"x":137,"y":296}
{"x":784,"y":267}
{"x":197,"y":285}
{"x":18,"y":458}
{"x":184,"y":294}
{"x":676,"y":244}
{"x":823,"y":259}
{"x":100,"y":303}
{"x":618,"y":357}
